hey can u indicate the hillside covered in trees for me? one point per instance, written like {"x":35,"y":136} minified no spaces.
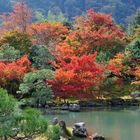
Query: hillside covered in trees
{"x":49,"y":62}
{"x":120,"y":9}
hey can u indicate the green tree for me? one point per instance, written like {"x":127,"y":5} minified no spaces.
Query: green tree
{"x":134,"y":22}
{"x":134,"y":48}
{"x":50,"y":16}
{"x":41,"y":57}
{"x":103,"y":57}
{"x":8,"y":53}
{"x":59,"y":17}
{"x":31,"y":124}
{"x":35,"y":89}
{"x":40,"y":17}
{"x":8,"y":107}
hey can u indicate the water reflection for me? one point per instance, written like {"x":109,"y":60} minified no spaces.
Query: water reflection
{"x":114,"y":123}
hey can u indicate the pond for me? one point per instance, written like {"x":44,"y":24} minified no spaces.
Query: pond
{"x":113,"y":123}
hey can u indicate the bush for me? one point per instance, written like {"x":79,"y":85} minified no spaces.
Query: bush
{"x":19,"y":124}
{"x":53,"y":133}
{"x":8,"y":109}
{"x":31,"y":123}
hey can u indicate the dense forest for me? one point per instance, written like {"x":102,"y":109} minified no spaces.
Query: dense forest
{"x":64,"y":59}
{"x":120,"y":9}
{"x":49,"y":61}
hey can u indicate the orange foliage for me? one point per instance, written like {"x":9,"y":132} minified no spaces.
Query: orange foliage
{"x":48,"y":33}
{"x":120,"y":69}
{"x":115,"y":64}
{"x":14,"y":71}
{"x":96,"y":31}
{"x":65,"y":50}
{"x":137,"y":72}
{"x":92,"y":32}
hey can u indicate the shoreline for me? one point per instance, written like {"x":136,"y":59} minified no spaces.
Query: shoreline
{"x":98,"y":104}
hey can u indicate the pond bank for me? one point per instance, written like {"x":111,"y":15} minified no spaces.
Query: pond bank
{"x":116,"y":102}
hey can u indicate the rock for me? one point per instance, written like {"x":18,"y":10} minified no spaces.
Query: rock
{"x":79,"y":130}
{"x":65,"y":133}
{"x":55,"y":121}
{"x":117,"y":102}
{"x":74,"y":107}
{"x":97,"y":137}
{"x":135,"y":94}
{"x":135,"y":102}
{"x":47,"y":106}
{"x":64,"y":107}
{"x":40,"y":105}
{"x":93,"y":103}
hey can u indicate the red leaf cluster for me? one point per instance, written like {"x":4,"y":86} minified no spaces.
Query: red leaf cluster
{"x":78,"y":77}
{"x":14,"y":71}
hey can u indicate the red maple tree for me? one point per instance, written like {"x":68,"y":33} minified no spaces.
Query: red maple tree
{"x":93,"y":32}
{"x":78,"y":78}
{"x":12,"y":73}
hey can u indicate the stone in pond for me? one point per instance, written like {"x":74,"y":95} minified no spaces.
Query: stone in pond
{"x":79,"y":130}
{"x":65,"y":133}
{"x":64,"y":107}
{"x":74,"y":107}
{"x":55,"y":121}
{"x":97,"y":137}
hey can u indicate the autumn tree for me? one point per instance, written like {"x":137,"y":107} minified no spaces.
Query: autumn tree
{"x":80,"y":77}
{"x":124,"y":67}
{"x":94,"y":32}
{"x":19,"y":18}
{"x":20,"y":41}
{"x":48,"y":33}
{"x":137,"y":74}
{"x":12,"y":73}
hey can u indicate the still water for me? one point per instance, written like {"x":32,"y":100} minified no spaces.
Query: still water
{"x":113,"y":123}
